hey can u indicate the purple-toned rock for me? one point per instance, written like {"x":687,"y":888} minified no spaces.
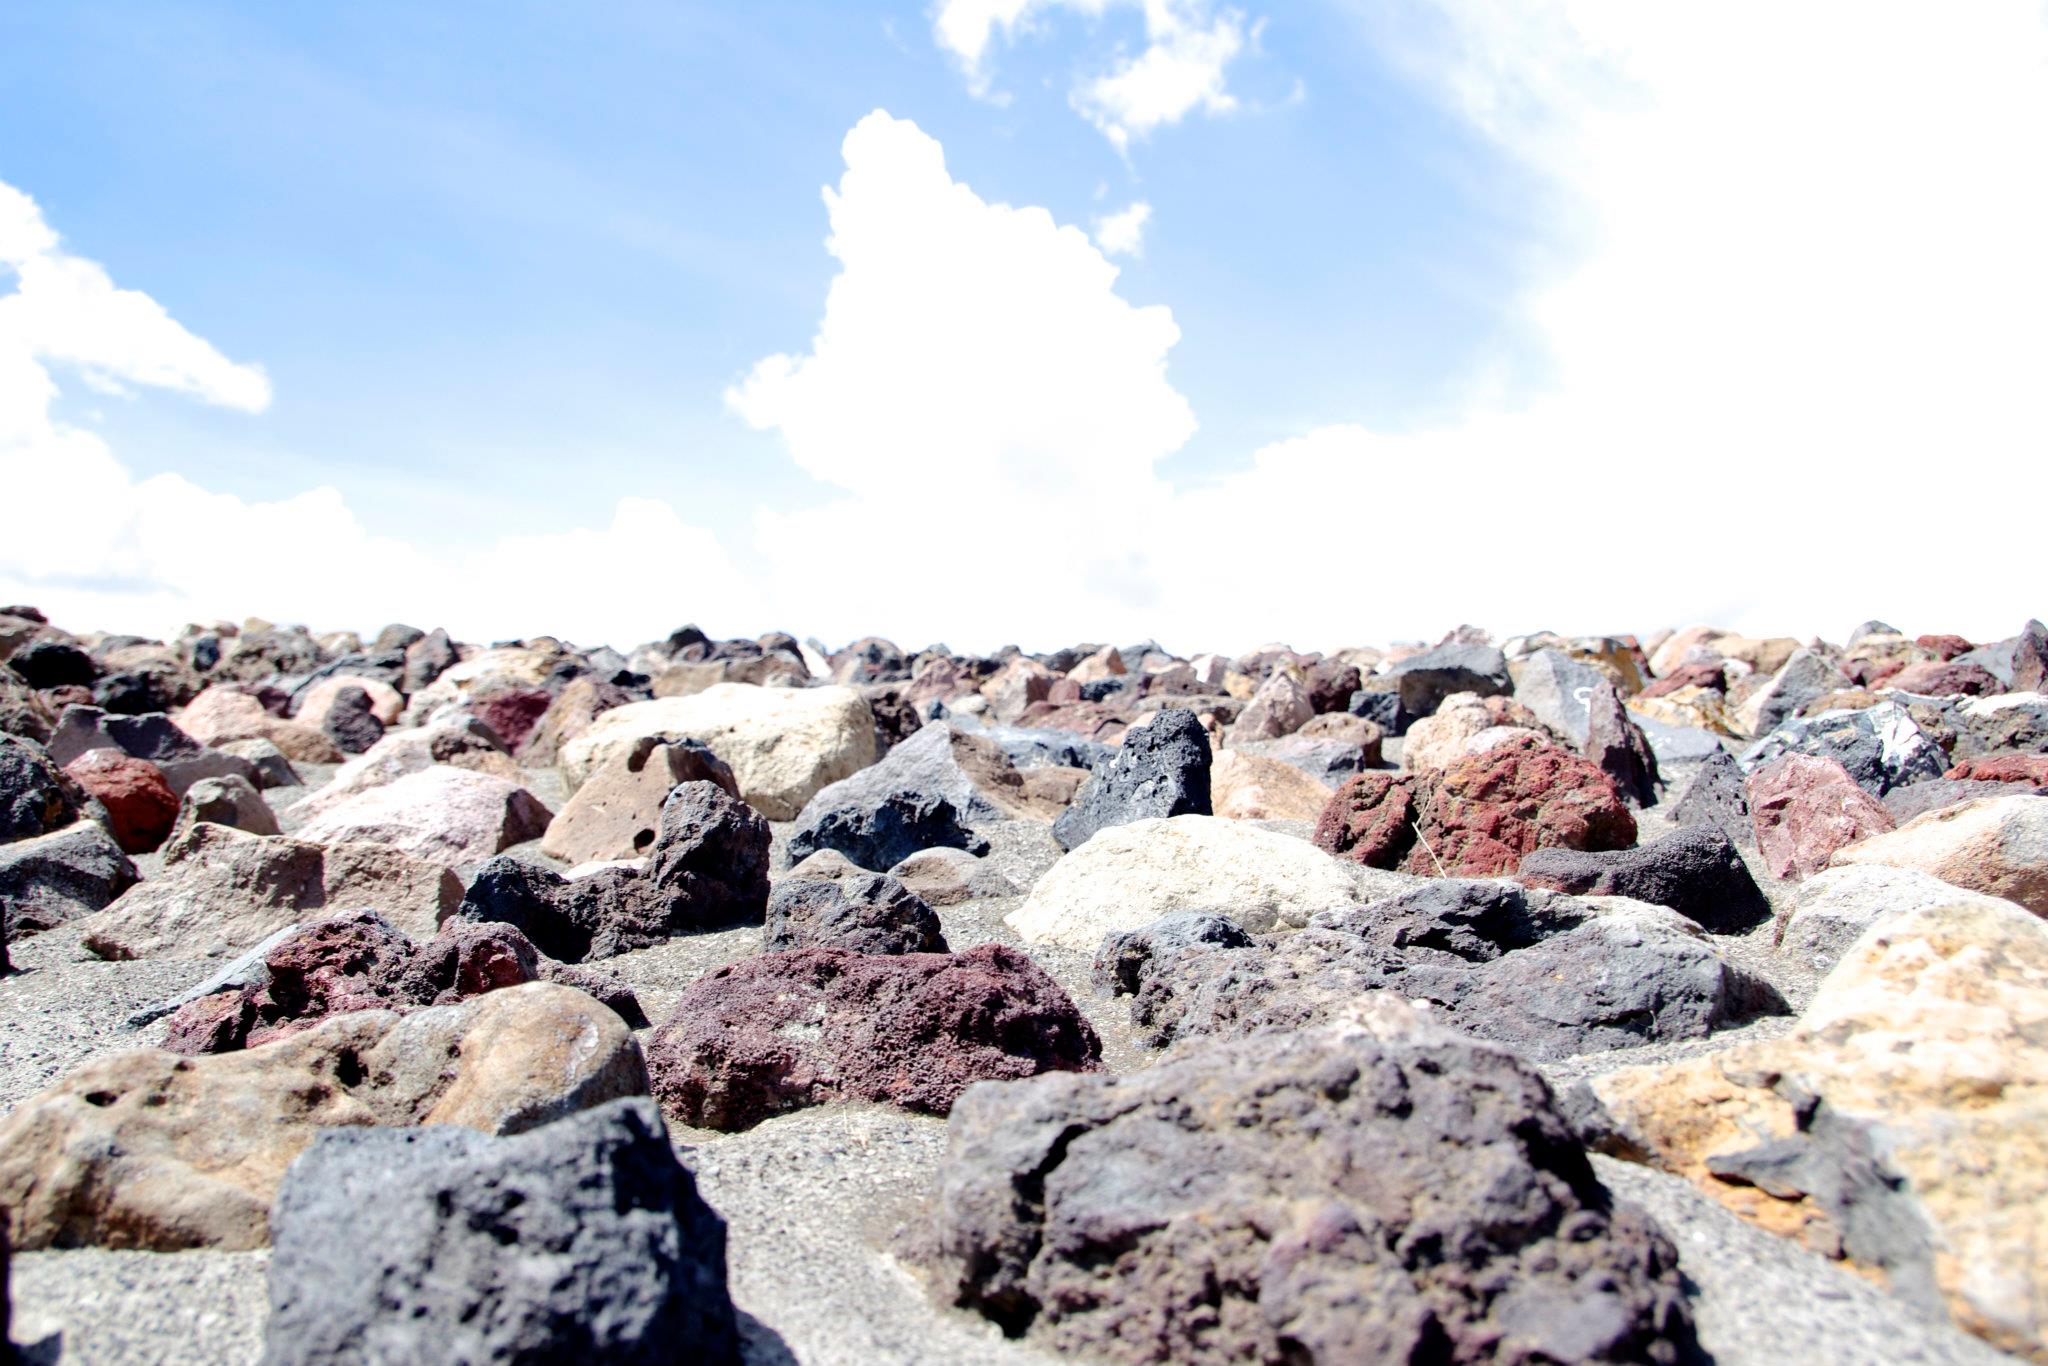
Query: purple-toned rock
{"x":1803,"y":808}
{"x":1618,"y":746}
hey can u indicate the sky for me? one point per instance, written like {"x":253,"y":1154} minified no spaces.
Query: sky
{"x":1025,"y":321}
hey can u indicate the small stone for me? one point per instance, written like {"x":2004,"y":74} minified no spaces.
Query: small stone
{"x":617,"y":812}
{"x":225,"y":801}
{"x":1281,"y":706}
{"x":884,"y":833}
{"x":865,"y":913}
{"x":47,"y":880}
{"x":140,"y":806}
{"x":1804,"y":808}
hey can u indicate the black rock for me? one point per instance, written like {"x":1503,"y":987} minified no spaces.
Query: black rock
{"x":583,"y":1240}
{"x":350,"y":722}
{"x":1696,"y":871}
{"x":1618,"y":745}
{"x":883,"y":833}
{"x":133,"y":692}
{"x":49,"y":879}
{"x":1161,"y":769}
{"x":1882,"y":747}
{"x":54,"y":664}
{"x":1718,"y":797}
{"x":710,"y":858}
{"x":1807,"y":675}
{"x":1423,"y":681}
{"x":426,"y":659}
{"x":36,"y":796}
{"x":868,"y":913}
{"x":1383,"y":709}
{"x":397,"y":636}
{"x":1121,"y":961}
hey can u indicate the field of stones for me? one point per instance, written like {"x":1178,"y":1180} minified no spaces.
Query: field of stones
{"x":1526,"y":1000}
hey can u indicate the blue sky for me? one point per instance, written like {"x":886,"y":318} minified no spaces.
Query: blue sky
{"x":505,"y":265}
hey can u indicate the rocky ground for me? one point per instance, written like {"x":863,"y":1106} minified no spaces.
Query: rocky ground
{"x":1549,"y":999}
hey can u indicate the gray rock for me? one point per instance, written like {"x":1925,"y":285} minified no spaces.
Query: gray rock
{"x":249,"y":970}
{"x":582,"y":1240}
{"x":273,"y":769}
{"x":1161,"y":769}
{"x":36,"y":796}
{"x":23,"y":711}
{"x":1917,"y":799}
{"x":881,"y":834}
{"x":350,"y":722}
{"x":2016,"y":723}
{"x":1696,"y":871}
{"x":152,"y":736}
{"x":1042,"y":747}
{"x":1557,"y":688}
{"x":1615,"y":743}
{"x":1678,"y":744}
{"x":1830,"y":910}
{"x":225,"y":801}
{"x":1327,"y":761}
{"x":947,"y":877}
{"x":866,"y":913}
{"x":426,"y":659}
{"x":49,"y":879}
{"x":1119,"y":966}
{"x":1808,"y":674}
{"x":1882,"y":747}
{"x":1327,"y":1196}
{"x":1423,"y":681}
{"x":1718,"y":798}
{"x":1872,"y":627}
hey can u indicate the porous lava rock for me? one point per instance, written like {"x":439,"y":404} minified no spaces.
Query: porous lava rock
{"x":882,"y":833}
{"x":1161,"y":770}
{"x":1718,"y":797}
{"x":863,"y":913}
{"x":36,"y":796}
{"x":140,"y":806}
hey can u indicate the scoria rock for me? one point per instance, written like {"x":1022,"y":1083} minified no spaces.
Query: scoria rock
{"x":1160,"y":770}
{"x":140,"y":806}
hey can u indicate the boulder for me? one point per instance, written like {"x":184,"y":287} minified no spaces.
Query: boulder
{"x":225,"y":801}
{"x":788,"y":1030}
{"x":47,"y":880}
{"x":947,"y":877}
{"x":151,"y":1150}
{"x":1718,"y":797}
{"x":1808,"y":674}
{"x":51,"y":663}
{"x":1257,"y":788}
{"x":1130,"y":875}
{"x":270,"y":766}
{"x":863,"y":913}
{"x":512,"y":711}
{"x":1121,"y":964}
{"x":140,"y":806}
{"x":2031,"y":769}
{"x":1376,"y":1191}
{"x":427,"y":658}
{"x":451,"y":815}
{"x":1696,"y":871}
{"x":1326,"y":759}
{"x":1804,"y":808}
{"x":1047,"y":747}
{"x":23,"y":711}
{"x":1997,"y":846}
{"x":1938,"y":678}
{"x":616,"y":813}
{"x":349,"y":720}
{"x":1161,"y":770}
{"x":1898,"y":1126}
{"x":1556,"y":687}
{"x":1463,"y":724}
{"x":1881,"y":747}
{"x":1829,"y":912}
{"x":36,"y":796}
{"x":1423,"y":681}
{"x":386,"y":703}
{"x":568,"y":716}
{"x":783,"y":744}
{"x":581,"y":1240}
{"x":222,"y":890}
{"x":223,"y":713}
{"x":881,"y":833}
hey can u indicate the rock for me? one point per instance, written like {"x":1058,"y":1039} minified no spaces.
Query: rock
{"x":1372,"y":1193}
{"x":1828,"y":912}
{"x":1029,"y":748}
{"x":711,"y":857}
{"x":1549,"y":976}
{"x":1328,"y":761}
{"x":36,"y":796}
{"x":870,"y":659}
{"x":1121,"y":963}
{"x":1618,"y":747}
{"x":1718,"y":797}
{"x":1803,"y":809}
{"x":1807,"y":674}
{"x":459,"y":742}
{"x":1479,"y":816}
{"x":140,"y":806}
{"x":225,"y":801}
{"x":2004,"y":768}
{"x":349,"y":720}
{"x":828,"y":865}
{"x":582,"y":701}
{"x":451,"y":815}
{"x":469,"y":958}
{"x":865,"y":913}
{"x":1281,"y":706}
{"x":511,"y":711}
{"x":581,"y":1240}
{"x":386,"y":703}
{"x":1881,"y":747}
{"x":1936,"y":678}
{"x":2011,"y":723}
{"x":1905,"y":803}
{"x":1696,"y":871}
{"x":150,"y":1150}
{"x":23,"y":711}
{"x":1015,"y":686}
{"x":616,"y":813}
{"x":223,"y":713}
{"x":969,"y":773}
{"x":1997,"y":846}
{"x":51,"y":663}
{"x":1423,"y":681}
{"x":271,"y":767}
{"x":2030,"y":659}
{"x":1463,"y":724}
{"x":783,"y":744}
{"x":947,"y":877}
{"x":1556,"y":687}
{"x":1105,"y":663}
{"x":427,"y":658}
{"x":47,"y":880}
{"x":1130,"y":875}
{"x":222,"y":890}
{"x":1255,"y":788}
{"x":1160,"y":770}
{"x":787,"y":1030}
{"x":1897,"y":1126}
{"x":156,"y":738}
{"x":886,"y":832}
{"x":1685,"y":709}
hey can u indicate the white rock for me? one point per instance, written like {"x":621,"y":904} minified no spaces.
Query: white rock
{"x":450,"y":815}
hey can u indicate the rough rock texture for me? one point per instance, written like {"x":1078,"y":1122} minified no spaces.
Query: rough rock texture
{"x":1130,"y":875}
{"x":140,"y":806}
{"x":23,"y":711}
{"x":787,"y":1030}
{"x":1251,"y":787}
{"x":222,"y":890}
{"x":1352,"y":1194}
{"x":1718,"y":797}
{"x":1479,"y":816}
{"x":452,"y":815}
{"x":225,"y":801}
{"x":616,"y":813}
{"x":1881,"y":747}
{"x":947,"y":877}
{"x":1120,"y":964}
{"x":350,"y":719}
{"x":225,"y":713}
{"x":1829,"y":912}
{"x":267,"y":765}
{"x":460,"y":742}
{"x":862,"y":913}
{"x":151,"y":1150}
{"x":1940,"y":678}
{"x":1555,"y":687}
{"x":883,"y":832}
{"x":1997,"y":846}
{"x":1617,"y":746}
{"x":182,"y":759}
{"x":971,"y":770}
{"x":1281,"y":706}
{"x":1463,"y":724}
{"x":569,"y":716}
{"x":1899,"y":1125}
{"x":1905,"y":803}
{"x":783,"y":743}
{"x":1160,"y":770}
{"x":36,"y":796}
{"x":386,"y":703}
{"x":582,"y":1240}
{"x":1808,"y":674}
{"x":1423,"y":681}
{"x":61,"y":876}
{"x":2003,"y":768}
{"x":1803,"y":809}
{"x":1326,"y":758}
{"x":1696,"y":871}
{"x":1550,"y":976}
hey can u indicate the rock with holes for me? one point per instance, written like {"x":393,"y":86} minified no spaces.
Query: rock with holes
{"x":617,"y":813}
{"x":1161,"y":770}
{"x":863,"y":913}
{"x":1717,"y":797}
{"x":885,"y":831}
{"x":1377,"y":1191}
{"x":150,"y":1150}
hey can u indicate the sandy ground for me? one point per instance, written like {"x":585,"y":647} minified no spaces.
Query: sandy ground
{"x":824,"y":1205}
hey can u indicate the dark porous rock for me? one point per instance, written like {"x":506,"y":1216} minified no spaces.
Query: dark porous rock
{"x":157,"y":686}
{"x":49,"y":879}
{"x":23,"y":711}
{"x":863,"y":913}
{"x":1389,"y":1193}
{"x":711,"y":858}
{"x":1716,"y":798}
{"x":1618,"y":746}
{"x":225,"y":801}
{"x":1330,"y":685}
{"x":54,"y":664}
{"x":1696,"y":871}
{"x":1549,"y":976}
{"x":1882,"y":747}
{"x":788,"y":1030}
{"x":469,"y":958}
{"x":583,"y":1240}
{"x":426,"y":659}
{"x":181,"y":759}
{"x":1423,"y":681}
{"x":140,"y":806}
{"x":884,"y":833}
{"x":1161,"y":769}
{"x":1371,"y":819}
{"x":350,"y":721}
{"x":1121,"y":961}
{"x":36,"y":796}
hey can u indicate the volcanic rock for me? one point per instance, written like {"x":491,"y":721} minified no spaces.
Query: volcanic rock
{"x":48,"y":879}
{"x":225,"y":801}
{"x":1881,"y":747}
{"x":1997,"y":846}
{"x":1696,"y":871}
{"x":1160,"y":770}
{"x":1828,"y":913}
{"x":1804,"y":808}
{"x":452,"y":815}
{"x":140,"y":806}
{"x":1718,"y":797}
{"x":36,"y":796}
{"x":616,"y":814}
{"x":863,"y":913}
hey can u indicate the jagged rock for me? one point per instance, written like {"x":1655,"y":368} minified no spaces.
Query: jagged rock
{"x":1804,"y":808}
{"x":1325,"y":758}
{"x":427,"y":658}
{"x":225,"y":801}
{"x":968,"y":769}
{"x":23,"y":711}
{"x":1997,"y":846}
{"x":1161,"y":770}
{"x":140,"y":806}
{"x":1696,"y":871}
{"x":349,"y":719}
{"x":1881,"y":747}
{"x":1556,"y":687}
{"x":49,"y":879}
{"x":452,"y":815}
{"x":36,"y":796}
{"x":1808,"y":674}
{"x":1618,"y":747}
{"x":270,"y":766}
{"x":1281,"y":706}
{"x":887,"y":831}
{"x":1120,"y":964}
{"x":1828,"y":912}
{"x":616,"y":813}
{"x":1935,"y":794}
{"x":457,"y":741}
{"x":223,"y":713}
{"x":49,"y":663}
{"x":1718,"y":798}
{"x":1423,"y":681}
{"x":1462,"y":725}
{"x":1255,"y":788}
{"x":582,"y":701}
{"x":864,"y":913}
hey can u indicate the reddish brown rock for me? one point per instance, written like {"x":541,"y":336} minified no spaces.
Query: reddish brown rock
{"x":788,"y":1030}
{"x":1803,"y":808}
{"x":512,"y":712}
{"x":1708,"y":675}
{"x":568,"y":716}
{"x":141,"y":808}
{"x":1936,"y":678}
{"x":1944,"y":647}
{"x":2003,"y":768}
{"x":1370,"y":820}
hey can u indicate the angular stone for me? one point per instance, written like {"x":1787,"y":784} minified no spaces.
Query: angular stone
{"x":1161,"y":770}
{"x":458,"y":742}
{"x":1617,"y":746}
{"x":1808,"y":674}
{"x":864,"y":913}
{"x":23,"y":711}
{"x":2004,"y":768}
{"x":1696,"y":871}
{"x":1463,"y":724}
{"x":225,"y":801}
{"x":49,"y":879}
{"x":36,"y":796}
{"x":616,"y":814}
{"x":1803,"y":809}
{"x":451,"y":815}
{"x":350,"y":721}
{"x":223,"y":713}
{"x":1718,"y":798}
{"x":1905,"y":803}
{"x":1997,"y":846}
{"x":1881,"y":747}
{"x":579,"y":703}
{"x":1828,"y":913}
{"x":884,"y":832}
{"x":140,"y":806}
{"x":1281,"y":706}
{"x":1423,"y":681}
{"x":1250,"y":787}
{"x":1556,"y":687}
{"x":270,"y":766}
{"x":1121,"y":963}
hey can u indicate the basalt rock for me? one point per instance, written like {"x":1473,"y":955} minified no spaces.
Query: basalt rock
{"x":50,"y":879}
{"x":1696,"y":871}
{"x":1161,"y":770}
{"x":863,"y":913}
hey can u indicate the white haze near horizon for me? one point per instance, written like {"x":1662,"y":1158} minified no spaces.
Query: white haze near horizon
{"x":1795,"y":361}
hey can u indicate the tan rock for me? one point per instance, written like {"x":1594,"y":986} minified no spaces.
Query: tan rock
{"x":1437,"y":741}
{"x":1343,"y":726}
{"x":1902,"y":1125}
{"x":947,"y":877}
{"x":1669,"y":655}
{"x":160,"y":1152}
{"x":387,"y":704}
{"x":460,"y":741}
{"x":223,"y":890}
{"x":1280,"y":707}
{"x":783,"y":743}
{"x":768,"y":670}
{"x":1016,"y":686}
{"x":1994,"y":845}
{"x":617,"y":813}
{"x":1250,"y":787}
{"x":447,"y":814}
{"x":221,"y":713}
{"x":567,"y":717}
{"x":1691,"y":705}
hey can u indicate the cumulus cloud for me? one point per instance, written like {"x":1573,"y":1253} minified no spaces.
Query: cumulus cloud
{"x":1123,"y":233}
{"x":1182,"y":67}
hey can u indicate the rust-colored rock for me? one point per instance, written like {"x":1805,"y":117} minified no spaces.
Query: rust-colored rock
{"x":141,"y":808}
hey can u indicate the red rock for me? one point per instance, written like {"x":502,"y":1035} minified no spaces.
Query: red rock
{"x":1092,"y":719}
{"x":941,"y":680}
{"x":512,"y":712}
{"x":1944,"y":648}
{"x":1370,"y":820}
{"x":1803,"y":808}
{"x":2003,"y":768}
{"x":1933,"y":678}
{"x":141,"y":808}
{"x":787,"y":1030}
{"x":1688,"y":676}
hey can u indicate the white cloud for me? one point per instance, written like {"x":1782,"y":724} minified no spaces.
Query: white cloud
{"x":1123,"y":233}
{"x":1188,"y":48}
